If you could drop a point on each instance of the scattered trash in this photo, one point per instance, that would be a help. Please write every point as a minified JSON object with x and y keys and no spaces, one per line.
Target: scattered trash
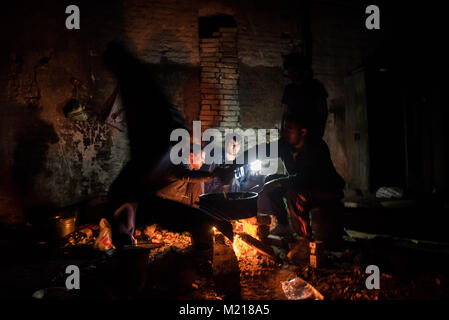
{"x":87,"y":231}
{"x":54,"y":293}
{"x":74,"y":109}
{"x":77,"y":238}
{"x":149,"y":231}
{"x":116,"y":116}
{"x":298,"y":289}
{"x":398,"y":203}
{"x":352,"y":204}
{"x":104,"y":240}
{"x":389,"y":192}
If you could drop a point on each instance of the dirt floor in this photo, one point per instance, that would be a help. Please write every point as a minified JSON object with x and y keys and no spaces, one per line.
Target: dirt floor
{"x":170,"y":269}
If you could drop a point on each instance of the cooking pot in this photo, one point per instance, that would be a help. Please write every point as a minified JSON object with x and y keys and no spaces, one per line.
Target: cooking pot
{"x":230,"y":205}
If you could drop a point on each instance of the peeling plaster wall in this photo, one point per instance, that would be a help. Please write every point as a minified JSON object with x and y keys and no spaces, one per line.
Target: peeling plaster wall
{"x":48,"y":160}
{"x":52,"y":160}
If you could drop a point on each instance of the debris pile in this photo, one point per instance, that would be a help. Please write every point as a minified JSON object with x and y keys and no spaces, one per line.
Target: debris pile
{"x":161,"y":240}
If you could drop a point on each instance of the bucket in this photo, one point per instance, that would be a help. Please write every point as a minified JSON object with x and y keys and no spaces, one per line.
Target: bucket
{"x":63,"y":226}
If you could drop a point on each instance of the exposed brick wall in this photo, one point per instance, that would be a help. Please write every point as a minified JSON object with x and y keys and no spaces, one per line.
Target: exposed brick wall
{"x":219,"y":80}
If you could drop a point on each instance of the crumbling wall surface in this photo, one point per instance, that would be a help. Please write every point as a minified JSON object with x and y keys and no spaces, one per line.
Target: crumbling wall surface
{"x":339,"y":45}
{"x":47,"y":159}
{"x":261,"y":93}
{"x":162,"y":30}
{"x":50,"y":160}
{"x":267,"y":31}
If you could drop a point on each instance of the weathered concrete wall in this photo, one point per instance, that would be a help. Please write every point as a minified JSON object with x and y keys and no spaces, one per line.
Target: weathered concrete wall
{"x":339,"y":45}
{"x":48,"y":160}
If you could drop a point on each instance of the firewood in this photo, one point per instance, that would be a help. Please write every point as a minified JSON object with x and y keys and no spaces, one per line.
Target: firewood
{"x":256,"y":244}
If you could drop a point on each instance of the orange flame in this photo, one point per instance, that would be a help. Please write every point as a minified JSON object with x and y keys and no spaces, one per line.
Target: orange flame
{"x":234,"y":245}
{"x":240,"y":247}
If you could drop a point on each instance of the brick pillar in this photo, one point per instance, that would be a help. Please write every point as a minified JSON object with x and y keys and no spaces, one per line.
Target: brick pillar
{"x":219,"y":80}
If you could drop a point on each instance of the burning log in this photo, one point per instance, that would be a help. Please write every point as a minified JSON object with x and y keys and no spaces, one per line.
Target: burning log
{"x":252,"y":255}
{"x":257,"y":244}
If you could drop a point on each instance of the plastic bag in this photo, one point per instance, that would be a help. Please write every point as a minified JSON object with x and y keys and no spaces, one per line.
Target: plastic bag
{"x":389,"y":192}
{"x":299,"y":289}
{"x":104,"y":239}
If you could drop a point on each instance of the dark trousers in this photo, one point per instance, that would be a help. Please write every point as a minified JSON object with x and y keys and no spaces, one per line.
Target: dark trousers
{"x":272,"y":203}
{"x":311,"y":213}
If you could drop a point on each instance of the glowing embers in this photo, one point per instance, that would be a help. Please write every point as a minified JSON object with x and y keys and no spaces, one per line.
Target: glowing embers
{"x":244,"y":229}
{"x":252,"y":254}
{"x":238,"y":246}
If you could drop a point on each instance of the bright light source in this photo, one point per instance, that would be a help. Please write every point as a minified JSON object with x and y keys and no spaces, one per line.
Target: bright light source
{"x":256,"y":165}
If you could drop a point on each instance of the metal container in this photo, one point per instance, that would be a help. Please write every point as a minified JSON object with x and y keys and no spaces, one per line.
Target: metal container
{"x":63,"y":226}
{"x":230,"y":205}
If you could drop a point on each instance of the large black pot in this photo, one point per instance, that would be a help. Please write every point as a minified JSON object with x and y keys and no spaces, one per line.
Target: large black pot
{"x":230,"y":205}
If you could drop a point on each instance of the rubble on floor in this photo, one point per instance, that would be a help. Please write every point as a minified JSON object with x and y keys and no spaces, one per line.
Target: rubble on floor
{"x":239,"y":270}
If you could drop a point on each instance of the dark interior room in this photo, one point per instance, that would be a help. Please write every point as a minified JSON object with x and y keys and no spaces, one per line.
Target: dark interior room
{"x":223,"y":150}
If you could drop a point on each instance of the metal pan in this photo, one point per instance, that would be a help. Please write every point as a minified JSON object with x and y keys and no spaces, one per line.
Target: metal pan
{"x":230,"y":205}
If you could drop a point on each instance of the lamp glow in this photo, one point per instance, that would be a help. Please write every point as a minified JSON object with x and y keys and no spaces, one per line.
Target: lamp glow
{"x":256,"y":165}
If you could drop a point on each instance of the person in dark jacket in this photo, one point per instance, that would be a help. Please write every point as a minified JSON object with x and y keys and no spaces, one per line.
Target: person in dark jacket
{"x":312,"y":182}
{"x":304,"y":95}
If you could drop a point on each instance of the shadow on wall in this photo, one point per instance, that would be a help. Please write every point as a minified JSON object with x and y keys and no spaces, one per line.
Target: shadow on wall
{"x":260,"y":96}
{"x":180,"y":84}
{"x":173,"y":64}
{"x":25,"y":143}
{"x":150,"y":120}
{"x":33,"y":138}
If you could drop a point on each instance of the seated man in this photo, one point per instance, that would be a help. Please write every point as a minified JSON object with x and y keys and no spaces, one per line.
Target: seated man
{"x":312,"y":182}
{"x":170,"y":201}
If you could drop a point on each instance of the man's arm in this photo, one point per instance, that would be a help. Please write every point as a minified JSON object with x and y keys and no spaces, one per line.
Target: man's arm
{"x":188,"y":175}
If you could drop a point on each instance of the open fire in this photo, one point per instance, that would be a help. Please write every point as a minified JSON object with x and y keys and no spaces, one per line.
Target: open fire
{"x":248,"y":244}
